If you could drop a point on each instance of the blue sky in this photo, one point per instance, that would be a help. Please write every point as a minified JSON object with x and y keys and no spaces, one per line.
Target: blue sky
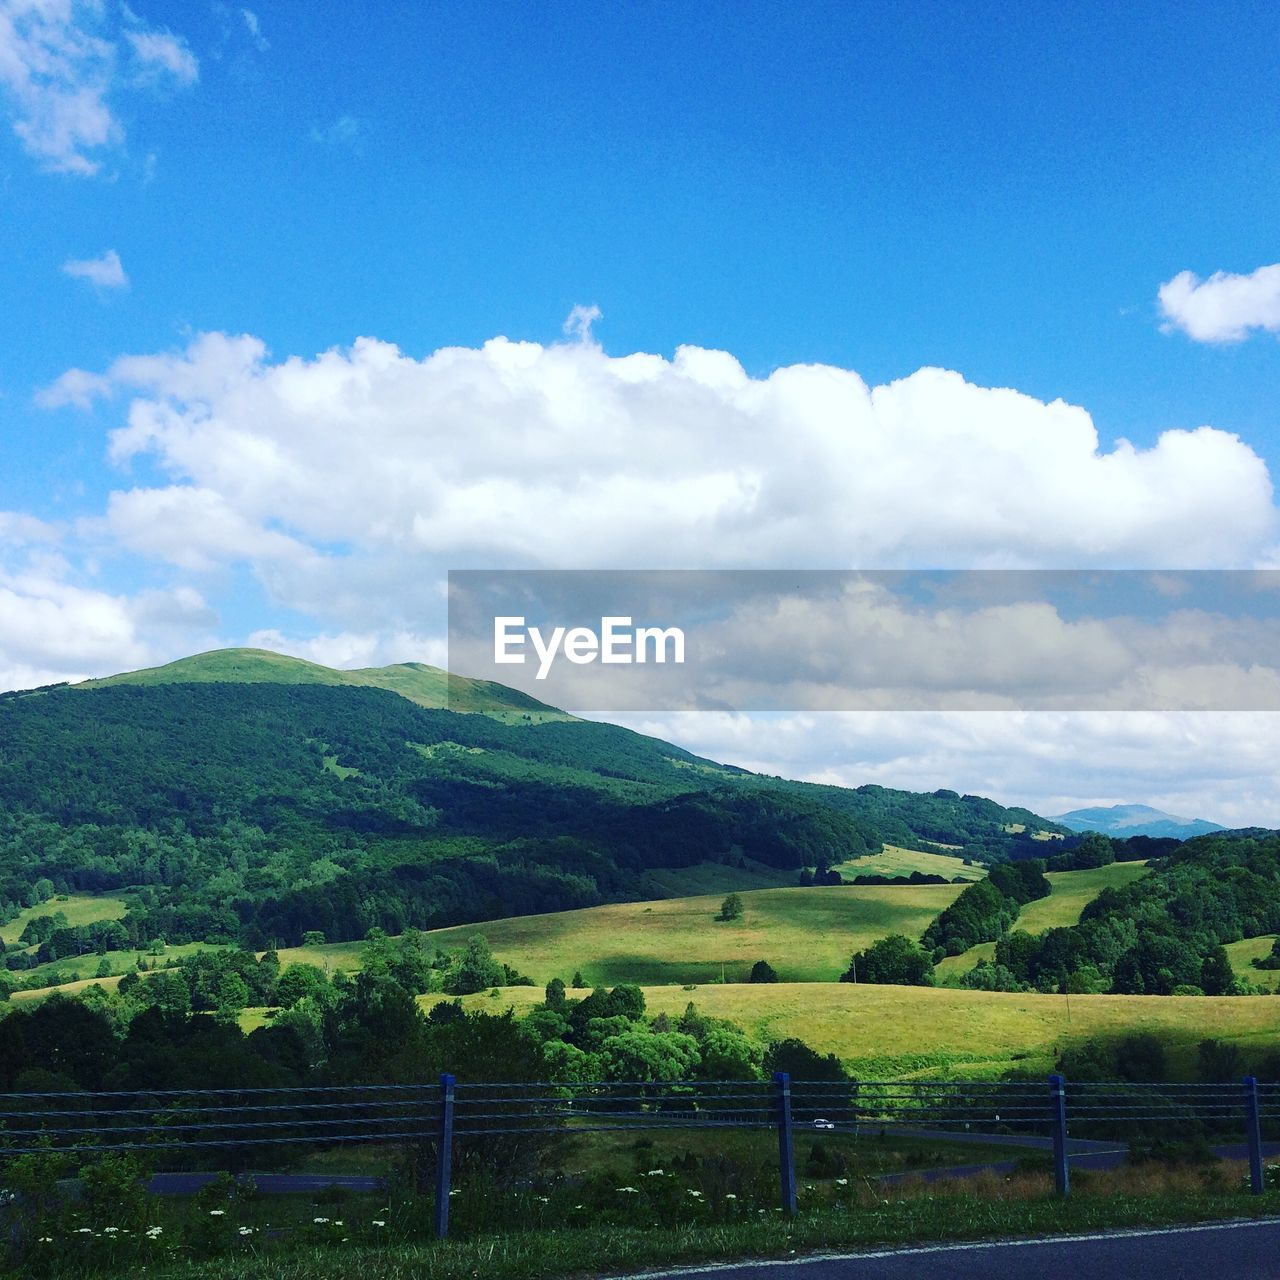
{"x":876,"y":188}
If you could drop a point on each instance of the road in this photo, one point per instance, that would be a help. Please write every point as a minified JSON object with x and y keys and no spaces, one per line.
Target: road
{"x":179,"y":1184}
{"x":1226,"y":1251}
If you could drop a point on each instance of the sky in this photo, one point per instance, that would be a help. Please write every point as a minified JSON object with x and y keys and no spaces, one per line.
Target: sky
{"x":304,"y":307}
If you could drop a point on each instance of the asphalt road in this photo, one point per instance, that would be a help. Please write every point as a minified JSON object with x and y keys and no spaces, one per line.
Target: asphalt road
{"x":1225,"y":1251}
{"x":180,"y":1184}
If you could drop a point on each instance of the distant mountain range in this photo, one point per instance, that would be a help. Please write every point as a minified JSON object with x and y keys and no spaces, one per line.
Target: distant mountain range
{"x":1135,"y":820}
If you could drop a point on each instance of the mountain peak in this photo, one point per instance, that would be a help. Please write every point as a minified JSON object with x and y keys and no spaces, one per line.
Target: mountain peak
{"x":1135,"y":820}
{"x":417,"y":681}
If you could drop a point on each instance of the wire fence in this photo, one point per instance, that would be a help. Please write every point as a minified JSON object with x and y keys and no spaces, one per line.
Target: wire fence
{"x":236,"y":1125}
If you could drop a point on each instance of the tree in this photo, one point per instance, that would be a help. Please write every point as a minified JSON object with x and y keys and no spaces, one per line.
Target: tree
{"x":895,"y":960}
{"x":731,"y":907}
{"x":649,"y":1055}
{"x":578,"y":984}
{"x":555,"y":995}
{"x":474,"y":970}
{"x":313,"y":938}
{"x":763,"y":971}
{"x":1216,"y":974}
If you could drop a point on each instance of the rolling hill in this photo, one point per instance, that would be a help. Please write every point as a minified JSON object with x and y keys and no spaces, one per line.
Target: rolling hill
{"x":245,"y":796}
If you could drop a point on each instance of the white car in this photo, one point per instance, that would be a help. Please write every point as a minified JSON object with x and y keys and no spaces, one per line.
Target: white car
{"x":824,"y":1124}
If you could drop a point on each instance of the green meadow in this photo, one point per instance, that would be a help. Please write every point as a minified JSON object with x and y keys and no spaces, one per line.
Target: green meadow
{"x":900,"y":1032}
{"x":894,"y":861}
{"x":807,"y":934}
{"x":79,"y":908}
{"x":1072,"y":892}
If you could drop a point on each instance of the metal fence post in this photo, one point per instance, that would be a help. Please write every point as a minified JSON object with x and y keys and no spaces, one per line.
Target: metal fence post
{"x":1253,"y":1132}
{"x":1058,"y":1101}
{"x":444,"y":1156}
{"x":786,"y":1147}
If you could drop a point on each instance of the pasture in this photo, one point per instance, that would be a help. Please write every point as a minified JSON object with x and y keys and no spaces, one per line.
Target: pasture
{"x":895,"y":861}
{"x":79,"y":908}
{"x":807,"y":934}
{"x":1072,"y":892}
{"x":904,"y":1032}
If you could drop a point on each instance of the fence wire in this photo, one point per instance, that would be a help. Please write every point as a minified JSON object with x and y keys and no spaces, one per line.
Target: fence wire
{"x":168,"y":1122}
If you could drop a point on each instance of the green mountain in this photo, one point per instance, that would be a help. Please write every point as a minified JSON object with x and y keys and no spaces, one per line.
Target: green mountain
{"x":427,"y":686}
{"x":241,"y":795}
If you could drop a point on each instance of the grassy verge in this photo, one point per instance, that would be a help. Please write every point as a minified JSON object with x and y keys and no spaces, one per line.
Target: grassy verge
{"x":559,"y":1255}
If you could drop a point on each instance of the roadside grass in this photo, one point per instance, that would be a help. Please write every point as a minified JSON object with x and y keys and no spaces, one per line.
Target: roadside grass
{"x":1072,"y":892}
{"x":79,"y":908}
{"x":895,"y":861}
{"x":868,"y":1154}
{"x":895,"y":1032}
{"x":861,"y":1218}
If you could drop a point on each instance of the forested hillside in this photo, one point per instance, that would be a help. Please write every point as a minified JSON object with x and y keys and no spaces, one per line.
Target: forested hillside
{"x":255,"y":810}
{"x":1164,"y":933}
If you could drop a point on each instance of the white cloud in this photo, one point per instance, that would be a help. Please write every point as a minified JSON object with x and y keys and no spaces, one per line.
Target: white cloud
{"x":578,"y":325}
{"x":1219,"y":766}
{"x":1225,"y":307}
{"x":254,"y":28}
{"x":348,"y":649}
{"x":103,"y":272}
{"x":344,"y":129}
{"x":61,"y":64}
{"x":562,"y":456}
{"x":162,"y":58}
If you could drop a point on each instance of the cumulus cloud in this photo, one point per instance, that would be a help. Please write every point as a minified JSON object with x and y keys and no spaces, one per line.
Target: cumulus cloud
{"x":1225,"y":307}
{"x":103,"y":272}
{"x":62,"y":62}
{"x":522,"y":455}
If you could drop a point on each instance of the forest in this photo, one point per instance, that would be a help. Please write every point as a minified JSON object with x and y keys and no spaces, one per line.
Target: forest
{"x":252,"y":814}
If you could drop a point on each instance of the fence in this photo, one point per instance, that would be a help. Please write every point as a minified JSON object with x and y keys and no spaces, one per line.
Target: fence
{"x":173,"y":1124}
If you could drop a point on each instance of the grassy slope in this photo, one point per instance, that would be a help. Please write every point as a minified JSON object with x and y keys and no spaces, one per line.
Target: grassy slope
{"x":1241,"y":953}
{"x":79,"y":908}
{"x":427,"y":686}
{"x":806,"y":934}
{"x":893,"y":861}
{"x":900,"y":1031}
{"x":1072,"y":892}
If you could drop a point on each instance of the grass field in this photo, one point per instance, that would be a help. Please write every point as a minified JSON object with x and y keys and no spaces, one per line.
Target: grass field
{"x":899,"y":1032}
{"x":893,"y":861}
{"x":1072,"y":892}
{"x":807,"y":934}
{"x":79,"y":908}
{"x":1243,"y":952}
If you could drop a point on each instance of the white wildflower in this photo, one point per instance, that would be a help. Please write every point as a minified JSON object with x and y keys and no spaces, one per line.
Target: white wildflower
{"x":246,"y":1231}
{"x":379,"y":1222}
{"x":319,"y":1221}
{"x":154,"y":1232}
{"x":216,"y":1213}
{"x":629,"y":1190}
